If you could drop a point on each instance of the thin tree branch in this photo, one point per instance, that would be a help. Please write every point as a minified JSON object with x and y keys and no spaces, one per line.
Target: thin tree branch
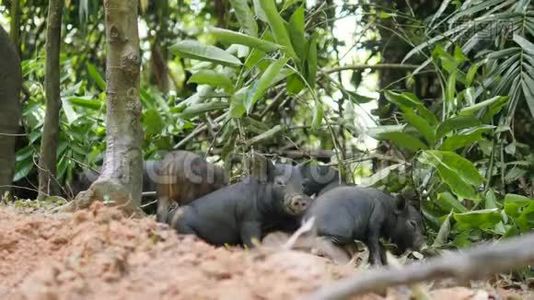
{"x":372,"y":67}
{"x":474,"y":263}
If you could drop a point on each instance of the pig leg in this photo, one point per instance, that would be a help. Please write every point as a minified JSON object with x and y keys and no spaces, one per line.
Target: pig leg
{"x":163,"y":209}
{"x":375,"y":249}
{"x":250,"y":231}
{"x":383,"y":257}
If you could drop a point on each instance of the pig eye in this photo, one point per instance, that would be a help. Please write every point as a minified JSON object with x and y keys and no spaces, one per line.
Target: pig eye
{"x":279,"y":181}
{"x":412,"y":223}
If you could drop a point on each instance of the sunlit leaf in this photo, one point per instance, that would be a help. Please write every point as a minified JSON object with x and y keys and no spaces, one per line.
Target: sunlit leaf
{"x":463,"y":139}
{"x":403,"y":140}
{"x":296,"y":32}
{"x":265,"y":81}
{"x":421,"y":125}
{"x":318,"y":115}
{"x":245,"y":16}
{"x":95,"y":75}
{"x":233,"y":37}
{"x":448,"y":202}
{"x":443,"y":233}
{"x":409,"y":101}
{"x":455,"y":123}
{"x":86,"y":102}
{"x":212,"y":78}
{"x":479,"y":219}
{"x":152,"y":122}
{"x":278,"y":28}
{"x":196,"y":50}
{"x":201,"y":108}
{"x":458,"y":173}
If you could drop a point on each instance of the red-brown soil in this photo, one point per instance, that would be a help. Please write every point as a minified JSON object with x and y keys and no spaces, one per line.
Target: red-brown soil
{"x":100,"y":254}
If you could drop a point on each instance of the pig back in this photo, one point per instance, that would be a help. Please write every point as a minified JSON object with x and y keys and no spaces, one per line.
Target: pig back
{"x":186,"y":176}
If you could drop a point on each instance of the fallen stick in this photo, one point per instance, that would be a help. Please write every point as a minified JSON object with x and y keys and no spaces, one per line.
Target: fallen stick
{"x":474,"y":263}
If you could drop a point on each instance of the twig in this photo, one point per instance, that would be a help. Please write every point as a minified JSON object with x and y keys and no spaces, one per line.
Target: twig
{"x":148,"y":204}
{"x":474,"y":263}
{"x":372,"y":67}
{"x":197,"y":131}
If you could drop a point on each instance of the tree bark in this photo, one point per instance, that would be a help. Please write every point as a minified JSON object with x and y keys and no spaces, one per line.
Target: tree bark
{"x":15,"y":24}
{"x":10,"y":86}
{"x":47,"y":163}
{"x":120,"y":180}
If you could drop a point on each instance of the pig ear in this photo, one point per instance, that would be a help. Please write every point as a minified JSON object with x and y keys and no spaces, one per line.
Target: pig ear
{"x":270,"y":170}
{"x":400,"y":203}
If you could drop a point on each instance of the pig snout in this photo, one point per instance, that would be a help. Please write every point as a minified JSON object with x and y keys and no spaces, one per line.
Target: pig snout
{"x":297,"y":204}
{"x":419,"y":242}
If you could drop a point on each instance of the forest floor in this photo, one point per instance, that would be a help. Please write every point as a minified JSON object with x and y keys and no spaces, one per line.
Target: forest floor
{"x":100,"y":254}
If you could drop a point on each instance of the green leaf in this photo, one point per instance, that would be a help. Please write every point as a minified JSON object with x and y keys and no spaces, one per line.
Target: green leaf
{"x":95,"y":75}
{"x":196,"y":50}
{"x":455,"y":123}
{"x":409,"y":101}
{"x":69,"y":111}
{"x":237,"y":103}
{"x":443,"y":233}
{"x":152,"y":122}
{"x":296,"y":32}
{"x":312,"y":62}
{"x":451,"y":87}
{"x":513,"y":204}
{"x":471,"y":73}
{"x":458,"y":140}
{"x":525,"y":44}
{"x":484,"y":219}
{"x":490,"y":200}
{"x":257,"y":58}
{"x":258,"y":11}
{"x":421,"y":125}
{"x":212,"y":78}
{"x":403,"y":140}
{"x":355,"y":97}
{"x":265,"y":81}
{"x":278,"y":28}
{"x":245,"y":17}
{"x":521,"y":209}
{"x":448,"y":202}
{"x":458,"y":173}
{"x":86,"y":102}
{"x":24,"y":153}
{"x":201,"y":108}
{"x":294,"y":84}
{"x":491,"y":106}
{"x":527,"y":84}
{"x":318,"y":114}
{"x":23,"y":169}
{"x":266,"y":135}
{"x":233,"y":37}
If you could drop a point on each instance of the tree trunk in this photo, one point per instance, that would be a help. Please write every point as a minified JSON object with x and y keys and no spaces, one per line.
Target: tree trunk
{"x":121,"y":178}
{"x":10,"y":86}
{"x":159,"y":70}
{"x":15,"y":24}
{"x":47,"y":162}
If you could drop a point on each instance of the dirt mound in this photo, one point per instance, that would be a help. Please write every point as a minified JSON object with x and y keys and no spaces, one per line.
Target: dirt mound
{"x":100,"y":254}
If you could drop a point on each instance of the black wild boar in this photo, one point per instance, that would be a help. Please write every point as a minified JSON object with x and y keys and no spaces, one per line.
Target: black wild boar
{"x":242,"y":212}
{"x":347,"y":213}
{"x":318,"y":178}
{"x":183,"y":177}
